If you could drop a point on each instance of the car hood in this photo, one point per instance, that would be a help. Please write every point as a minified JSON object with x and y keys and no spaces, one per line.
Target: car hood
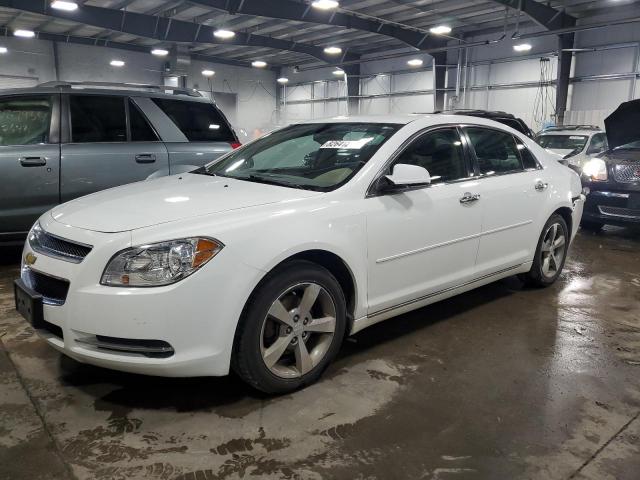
{"x":560,"y":151}
{"x":622,"y":124}
{"x":168,"y":199}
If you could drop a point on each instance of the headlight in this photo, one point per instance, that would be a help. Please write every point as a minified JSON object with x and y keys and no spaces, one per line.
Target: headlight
{"x":159,"y":264}
{"x":595,"y":170}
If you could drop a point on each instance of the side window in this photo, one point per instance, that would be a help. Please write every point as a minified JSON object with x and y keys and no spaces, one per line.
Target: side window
{"x":528,"y":160}
{"x":598,"y":143}
{"x":199,"y":121}
{"x":496,"y":151}
{"x":141,"y":131}
{"x":25,"y":120}
{"x":98,"y":118}
{"x":440,"y":152}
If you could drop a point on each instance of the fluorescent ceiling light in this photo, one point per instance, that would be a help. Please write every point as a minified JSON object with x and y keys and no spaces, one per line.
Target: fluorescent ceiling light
{"x":338,"y":71}
{"x":24,"y":33}
{"x":333,"y":50}
{"x":440,"y":30}
{"x":415,"y":62}
{"x":3,"y":50}
{"x":258,"y":64}
{"x":325,"y":4}
{"x":208,"y":73}
{"x":283,"y":80}
{"x":159,"y":52}
{"x":64,"y":5}
{"x":522,"y":47}
{"x":214,"y":126}
{"x":224,"y":34}
{"x":116,"y":63}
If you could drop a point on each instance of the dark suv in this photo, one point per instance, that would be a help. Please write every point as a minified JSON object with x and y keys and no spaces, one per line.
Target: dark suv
{"x":59,"y":141}
{"x":612,"y":178}
{"x":503,"y":117}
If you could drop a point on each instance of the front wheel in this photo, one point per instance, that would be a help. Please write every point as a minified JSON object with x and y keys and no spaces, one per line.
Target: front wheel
{"x":551,"y":253}
{"x":292,"y":328}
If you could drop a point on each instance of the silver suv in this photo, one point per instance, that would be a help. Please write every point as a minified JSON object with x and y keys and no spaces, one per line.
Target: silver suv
{"x":59,"y":141}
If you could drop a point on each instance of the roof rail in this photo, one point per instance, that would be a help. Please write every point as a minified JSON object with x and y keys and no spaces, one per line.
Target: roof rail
{"x":125,"y":86}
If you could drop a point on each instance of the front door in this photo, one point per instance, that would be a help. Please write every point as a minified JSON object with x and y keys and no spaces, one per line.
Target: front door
{"x":29,"y":161}
{"x":110,"y":144}
{"x":424,"y":241}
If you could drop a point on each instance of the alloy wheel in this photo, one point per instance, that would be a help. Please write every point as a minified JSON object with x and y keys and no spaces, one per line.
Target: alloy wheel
{"x":553,"y":250}
{"x":298,"y":330}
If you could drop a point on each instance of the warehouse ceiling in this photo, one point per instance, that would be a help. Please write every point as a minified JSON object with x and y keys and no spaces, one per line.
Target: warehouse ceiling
{"x":284,"y":32}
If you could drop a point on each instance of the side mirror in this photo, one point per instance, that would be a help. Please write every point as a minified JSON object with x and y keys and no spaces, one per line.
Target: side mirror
{"x":409,"y":175}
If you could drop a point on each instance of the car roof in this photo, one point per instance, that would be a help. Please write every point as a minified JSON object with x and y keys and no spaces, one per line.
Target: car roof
{"x":427,"y":119}
{"x":585,"y":133}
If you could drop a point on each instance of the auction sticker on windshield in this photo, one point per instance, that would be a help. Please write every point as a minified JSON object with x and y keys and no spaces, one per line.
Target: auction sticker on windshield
{"x":347,"y":144}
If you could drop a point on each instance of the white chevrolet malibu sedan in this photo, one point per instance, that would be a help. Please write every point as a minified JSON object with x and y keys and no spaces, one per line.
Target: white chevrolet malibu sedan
{"x":263,"y":260}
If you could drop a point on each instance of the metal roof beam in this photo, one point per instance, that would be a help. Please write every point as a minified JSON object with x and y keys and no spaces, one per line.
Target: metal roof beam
{"x":301,"y":12}
{"x":544,"y":15}
{"x":163,"y":29}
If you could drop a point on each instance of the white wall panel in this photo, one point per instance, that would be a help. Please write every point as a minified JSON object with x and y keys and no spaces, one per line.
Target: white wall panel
{"x":375,"y":85}
{"x":412,"y":104}
{"x":405,"y":82}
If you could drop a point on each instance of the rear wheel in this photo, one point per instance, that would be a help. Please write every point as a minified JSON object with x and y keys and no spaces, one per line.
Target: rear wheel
{"x":551,"y":253}
{"x":591,"y":226}
{"x":292,"y":328}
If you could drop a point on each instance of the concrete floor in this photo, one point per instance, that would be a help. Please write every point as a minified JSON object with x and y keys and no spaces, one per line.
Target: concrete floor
{"x":499,"y":383}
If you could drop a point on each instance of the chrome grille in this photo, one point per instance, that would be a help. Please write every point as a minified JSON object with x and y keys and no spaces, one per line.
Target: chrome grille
{"x":627,"y":172}
{"x":54,"y":246}
{"x":620,"y":212}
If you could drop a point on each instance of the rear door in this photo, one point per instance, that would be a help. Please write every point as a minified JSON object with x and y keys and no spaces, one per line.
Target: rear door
{"x":109,"y":142}
{"x":511,"y":186}
{"x":206,"y":130}
{"x":29,"y":160}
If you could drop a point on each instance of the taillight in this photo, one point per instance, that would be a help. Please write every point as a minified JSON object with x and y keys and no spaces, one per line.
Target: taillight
{"x":235,"y":145}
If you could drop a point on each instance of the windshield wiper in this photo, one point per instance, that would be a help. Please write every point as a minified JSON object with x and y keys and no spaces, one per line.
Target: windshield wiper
{"x":271,"y":181}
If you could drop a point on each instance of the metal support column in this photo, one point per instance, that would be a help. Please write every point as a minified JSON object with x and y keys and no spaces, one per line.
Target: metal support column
{"x":564,"y":71}
{"x":439,"y":77}
{"x":353,"y":88}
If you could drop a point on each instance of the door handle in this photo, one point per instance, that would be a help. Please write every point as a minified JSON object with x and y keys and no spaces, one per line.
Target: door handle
{"x":541,"y":186}
{"x":145,"y":158}
{"x":33,"y":161}
{"x":469,"y":198}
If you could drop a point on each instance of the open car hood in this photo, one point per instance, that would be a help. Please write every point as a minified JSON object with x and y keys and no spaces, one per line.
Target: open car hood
{"x":622,"y":124}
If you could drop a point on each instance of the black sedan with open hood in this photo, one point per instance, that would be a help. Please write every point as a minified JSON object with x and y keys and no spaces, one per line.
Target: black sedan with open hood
{"x":612,"y":179}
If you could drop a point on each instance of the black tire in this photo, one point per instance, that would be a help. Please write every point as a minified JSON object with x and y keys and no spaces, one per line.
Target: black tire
{"x":247,"y":358}
{"x":536,"y":277}
{"x":591,"y":226}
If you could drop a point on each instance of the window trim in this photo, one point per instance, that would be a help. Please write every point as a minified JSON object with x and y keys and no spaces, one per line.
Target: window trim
{"x":54,"y":120}
{"x":471,"y":174}
{"x":480,"y":175}
{"x":129,"y":101}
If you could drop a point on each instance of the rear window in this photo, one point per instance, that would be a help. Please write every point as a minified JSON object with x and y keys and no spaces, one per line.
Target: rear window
{"x":98,"y":118}
{"x":200,"y":122}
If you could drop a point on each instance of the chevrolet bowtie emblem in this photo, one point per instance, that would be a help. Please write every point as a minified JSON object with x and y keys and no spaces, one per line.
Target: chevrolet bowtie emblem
{"x":30,"y":258}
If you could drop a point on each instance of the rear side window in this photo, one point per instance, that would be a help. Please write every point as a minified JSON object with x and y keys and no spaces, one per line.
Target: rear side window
{"x":528,"y":160}
{"x":141,"y":131}
{"x":496,"y":151}
{"x":199,"y":121}
{"x":598,"y":143}
{"x":25,"y":120}
{"x":440,"y":152}
{"x":98,"y":118}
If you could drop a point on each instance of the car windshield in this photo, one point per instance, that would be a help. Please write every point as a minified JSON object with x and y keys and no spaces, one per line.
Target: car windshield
{"x":629,"y":146}
{"x":562,"y":142}
{"x":318,"y":156}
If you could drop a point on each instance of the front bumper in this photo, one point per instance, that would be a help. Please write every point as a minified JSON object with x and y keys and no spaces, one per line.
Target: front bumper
{"x":612,"y":203}
{"x":195,"y":317}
